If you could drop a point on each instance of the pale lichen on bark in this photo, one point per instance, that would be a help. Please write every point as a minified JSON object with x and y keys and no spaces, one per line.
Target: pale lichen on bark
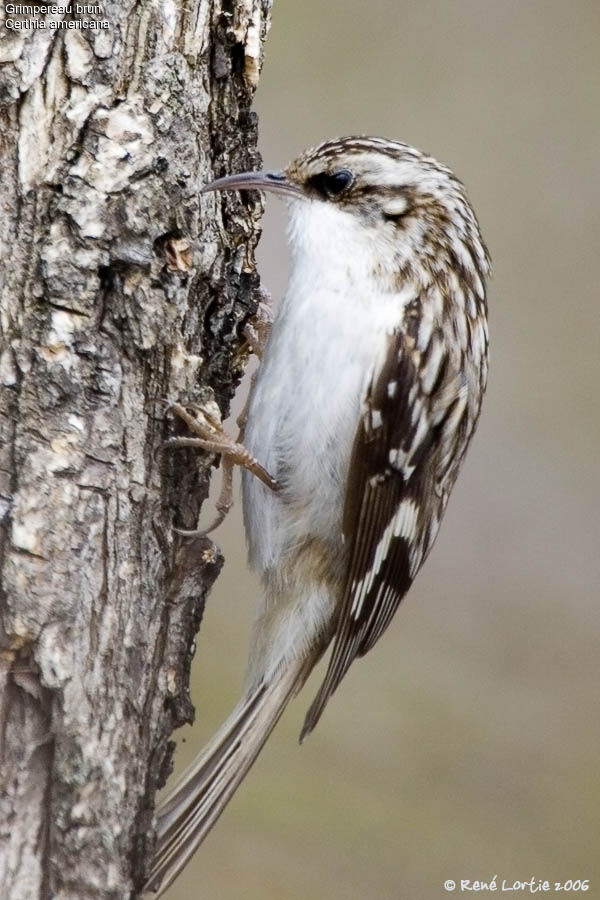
{"x":120,"y":287}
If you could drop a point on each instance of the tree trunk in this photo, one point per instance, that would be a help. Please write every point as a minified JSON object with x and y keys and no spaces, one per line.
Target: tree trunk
{"x":120,"y":288}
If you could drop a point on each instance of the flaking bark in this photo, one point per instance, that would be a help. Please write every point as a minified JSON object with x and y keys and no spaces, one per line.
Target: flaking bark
{"x":120,"y":288}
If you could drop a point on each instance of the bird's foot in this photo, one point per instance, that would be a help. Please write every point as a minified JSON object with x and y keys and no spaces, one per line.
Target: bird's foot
{"x":212,"y":438}
{"x":258,"y":327}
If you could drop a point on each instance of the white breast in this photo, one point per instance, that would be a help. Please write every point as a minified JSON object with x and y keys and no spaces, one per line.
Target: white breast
{"x":305,"y":406}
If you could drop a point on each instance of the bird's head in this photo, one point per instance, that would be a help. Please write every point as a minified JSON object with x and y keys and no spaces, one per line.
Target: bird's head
{"x":380,"y":206}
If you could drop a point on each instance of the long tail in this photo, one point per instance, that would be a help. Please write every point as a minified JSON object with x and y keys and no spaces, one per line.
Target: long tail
{"x":197,"y":800}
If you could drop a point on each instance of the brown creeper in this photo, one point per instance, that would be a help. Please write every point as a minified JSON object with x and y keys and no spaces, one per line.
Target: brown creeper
{"x":365,"y":402}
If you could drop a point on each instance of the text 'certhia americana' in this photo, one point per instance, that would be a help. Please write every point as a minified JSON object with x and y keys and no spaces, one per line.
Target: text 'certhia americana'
{"x":366,"y":398}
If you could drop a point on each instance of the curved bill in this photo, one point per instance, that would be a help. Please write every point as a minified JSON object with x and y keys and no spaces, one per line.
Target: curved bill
{"x":274,"y":182}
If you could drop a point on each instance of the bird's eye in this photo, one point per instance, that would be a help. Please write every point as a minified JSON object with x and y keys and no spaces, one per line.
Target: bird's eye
{"x":331,"y":184}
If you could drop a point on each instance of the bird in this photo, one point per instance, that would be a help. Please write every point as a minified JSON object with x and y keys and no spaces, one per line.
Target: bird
{"x":367,"y":396}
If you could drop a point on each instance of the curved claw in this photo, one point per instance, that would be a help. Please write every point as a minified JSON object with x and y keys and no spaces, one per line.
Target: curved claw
{"x":187,"y":532}
{"x":201,"y":532}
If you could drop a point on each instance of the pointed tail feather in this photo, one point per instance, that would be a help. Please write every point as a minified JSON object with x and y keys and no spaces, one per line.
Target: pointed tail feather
{"x":193,"y":806}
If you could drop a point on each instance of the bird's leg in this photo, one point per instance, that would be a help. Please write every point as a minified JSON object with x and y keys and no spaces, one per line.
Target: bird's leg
{"x":258,"y":328}
{"x":210,"y":435}
{"x":256,"y":332}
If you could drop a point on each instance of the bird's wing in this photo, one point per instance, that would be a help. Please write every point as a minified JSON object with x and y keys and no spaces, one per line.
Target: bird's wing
{"x":395,"y":493}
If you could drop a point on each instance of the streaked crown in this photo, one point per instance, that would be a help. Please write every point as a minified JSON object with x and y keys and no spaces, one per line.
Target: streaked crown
{"x":401,"y":193}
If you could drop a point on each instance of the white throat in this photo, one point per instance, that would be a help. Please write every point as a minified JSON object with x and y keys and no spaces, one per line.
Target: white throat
{"x":328,"y":244}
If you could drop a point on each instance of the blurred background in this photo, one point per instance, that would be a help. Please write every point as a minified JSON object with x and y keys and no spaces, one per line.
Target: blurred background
{"x":466,"y":744}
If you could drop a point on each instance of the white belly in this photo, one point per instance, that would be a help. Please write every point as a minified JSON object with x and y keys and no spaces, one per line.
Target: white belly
{"x":304,"y":412}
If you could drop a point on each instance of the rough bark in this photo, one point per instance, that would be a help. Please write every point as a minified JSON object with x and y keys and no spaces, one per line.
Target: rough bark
{"x":120,"y":287}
